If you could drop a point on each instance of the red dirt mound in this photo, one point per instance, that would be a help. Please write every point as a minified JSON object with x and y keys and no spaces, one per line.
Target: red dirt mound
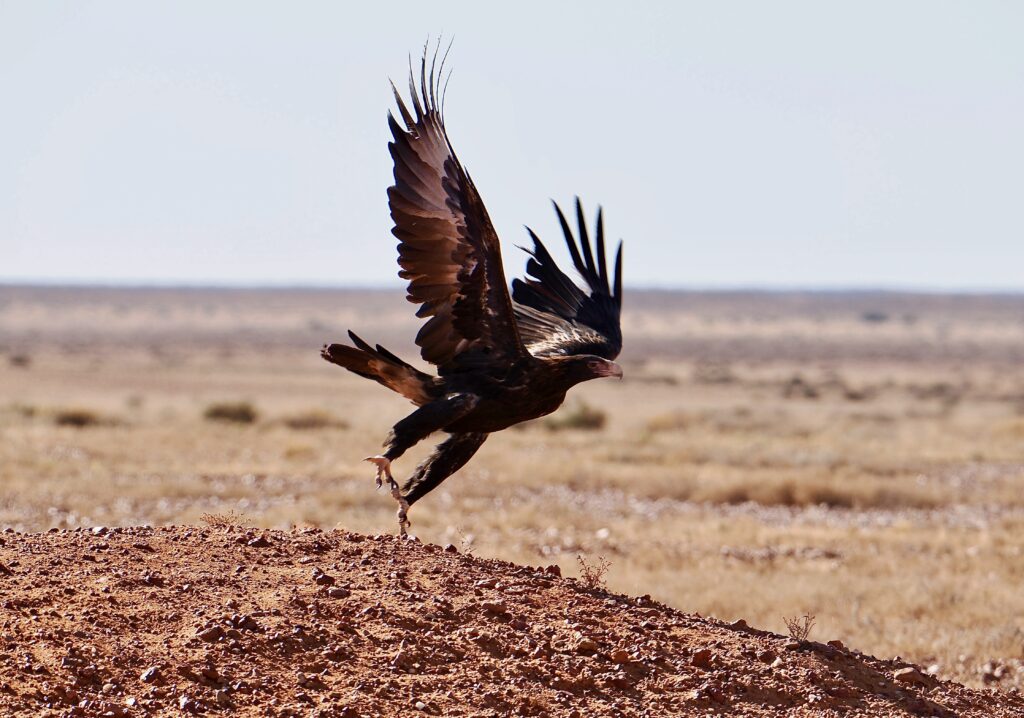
{"x":233,"y":621}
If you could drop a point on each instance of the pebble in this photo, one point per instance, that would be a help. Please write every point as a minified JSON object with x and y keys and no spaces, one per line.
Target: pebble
{"x":497,"y":608}
{"x":321,"y":578}
{"x":150,"y":675}
{"x":338,"y":592}
{"x":702,"y":658}
{"x":211,"y":634}
{"x":911,"y":676}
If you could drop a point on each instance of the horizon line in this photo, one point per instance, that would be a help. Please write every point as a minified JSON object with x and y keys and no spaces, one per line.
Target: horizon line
{"x":298,"y":285}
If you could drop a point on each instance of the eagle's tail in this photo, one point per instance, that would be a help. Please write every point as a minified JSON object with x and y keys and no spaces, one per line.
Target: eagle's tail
{"x":383,"y":367}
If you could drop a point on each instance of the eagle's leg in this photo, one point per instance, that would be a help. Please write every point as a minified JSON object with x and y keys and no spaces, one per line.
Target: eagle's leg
{"x":449,"y":456}
{"x":411,"y":430}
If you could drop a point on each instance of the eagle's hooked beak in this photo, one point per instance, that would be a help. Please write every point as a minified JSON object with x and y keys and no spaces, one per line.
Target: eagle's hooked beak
{"x":612,"y":369}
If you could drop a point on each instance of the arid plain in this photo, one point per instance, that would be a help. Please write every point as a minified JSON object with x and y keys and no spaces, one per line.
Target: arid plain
{"x":856,"y":457}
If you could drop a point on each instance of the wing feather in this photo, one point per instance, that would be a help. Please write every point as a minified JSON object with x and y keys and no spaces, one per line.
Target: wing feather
{"x":448,"y":249}
{"x":558,"y":318}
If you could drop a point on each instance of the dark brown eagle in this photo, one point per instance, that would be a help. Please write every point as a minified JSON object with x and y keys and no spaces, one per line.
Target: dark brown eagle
{"x":500,"y":359}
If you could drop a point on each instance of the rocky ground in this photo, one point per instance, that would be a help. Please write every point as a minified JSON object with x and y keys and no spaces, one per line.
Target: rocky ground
{"x":235,"y":621}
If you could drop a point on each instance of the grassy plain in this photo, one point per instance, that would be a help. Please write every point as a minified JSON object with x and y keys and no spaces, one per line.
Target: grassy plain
{"x":855,"y":457}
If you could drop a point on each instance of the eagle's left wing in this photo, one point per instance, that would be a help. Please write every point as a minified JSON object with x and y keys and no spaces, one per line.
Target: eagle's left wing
{"x":448,"y":249}
{"x":555,"y":316}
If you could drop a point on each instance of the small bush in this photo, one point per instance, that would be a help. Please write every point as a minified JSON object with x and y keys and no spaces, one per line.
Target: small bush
{"x":874,"y":317}
{"x":672,"y":421}
{"x":25,"y":411}
{"x":313,"y":419}
{"x":238,"y":412}
{"x":799,"y":628}
{"x":713,"y":373}
{"x":799,"y":388}
{"x":583,"y":417}
{"x":78,"y":418}
{"x":20,"y":361}
{"x":592,"y":574}
{"x":224,"y":521}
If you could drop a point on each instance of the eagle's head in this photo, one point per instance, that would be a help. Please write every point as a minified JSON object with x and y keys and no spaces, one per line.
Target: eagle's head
{"x":585,"y":367}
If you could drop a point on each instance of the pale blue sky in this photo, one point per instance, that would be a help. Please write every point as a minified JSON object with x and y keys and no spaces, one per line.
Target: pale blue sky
{"x":770,"y":144}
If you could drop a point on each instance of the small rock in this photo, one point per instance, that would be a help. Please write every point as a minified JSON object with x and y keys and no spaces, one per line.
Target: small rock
{"x":553,"y":570}
{"x":322,"y":579}
{"x":420,"y":706}
{"x":258,"y":542}
{"x":910,"y":676}
{"x":150,"y":675}
{"x":338,"y":592}
{"x":586,"y":645}
{"x":222,"y":698}
{"x":210,"y":673}
{"x":792,"y":645}
{"x":497,"y":608}
{"x":619,"y":656}
{"x":211,"y":634}
{"x":837,"y":644}
{"x":451,"y":548}
{"x":702,"y":658}
{"x":99,"y":530}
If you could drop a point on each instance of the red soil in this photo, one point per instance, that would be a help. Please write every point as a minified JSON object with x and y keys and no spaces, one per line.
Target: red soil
{"x":234,"y":621}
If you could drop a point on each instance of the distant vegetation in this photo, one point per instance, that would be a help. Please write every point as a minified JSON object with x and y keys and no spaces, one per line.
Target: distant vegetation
{"x":313,"y":419}
{"x":582,"y":417}
{"x":76,"y":417}
{"x":238,"y":412}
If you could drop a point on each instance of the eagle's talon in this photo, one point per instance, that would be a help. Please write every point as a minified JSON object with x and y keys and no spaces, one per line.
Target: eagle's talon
{"x":383,"y":465}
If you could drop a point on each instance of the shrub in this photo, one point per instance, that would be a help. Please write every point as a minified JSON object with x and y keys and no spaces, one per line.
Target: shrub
{"x":238,"y":412}
{"x":673,"y":421}
{"x":583,"y":417}
{"x":313,"y":419}
{"x":799,"y":628}
{"x":78,"y":418}
{"x":592,"y":574}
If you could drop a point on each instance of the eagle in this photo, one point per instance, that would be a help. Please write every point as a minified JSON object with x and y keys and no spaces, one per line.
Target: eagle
{"x":501,"y":358}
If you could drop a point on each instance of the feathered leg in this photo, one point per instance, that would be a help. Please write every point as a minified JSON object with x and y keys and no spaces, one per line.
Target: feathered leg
{"x":411,"y":430}
{"x":449,"y":456}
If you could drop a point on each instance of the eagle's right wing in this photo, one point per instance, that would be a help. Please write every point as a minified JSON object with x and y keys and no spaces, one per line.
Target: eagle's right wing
{"x":555,"y":316}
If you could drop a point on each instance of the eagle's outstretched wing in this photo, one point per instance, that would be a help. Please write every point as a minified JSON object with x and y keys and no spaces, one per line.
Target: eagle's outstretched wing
{"x":555,"y":316}
{"x":448,"y":248}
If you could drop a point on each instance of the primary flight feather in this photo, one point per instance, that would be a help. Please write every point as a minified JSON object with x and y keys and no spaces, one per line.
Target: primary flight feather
{"x":501,"y":359}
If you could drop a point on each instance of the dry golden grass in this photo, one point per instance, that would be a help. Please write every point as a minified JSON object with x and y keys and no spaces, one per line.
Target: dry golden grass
{"x":763,"y":457}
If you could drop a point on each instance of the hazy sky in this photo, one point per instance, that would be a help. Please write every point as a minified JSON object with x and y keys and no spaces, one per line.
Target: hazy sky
{"x":772,"y":144}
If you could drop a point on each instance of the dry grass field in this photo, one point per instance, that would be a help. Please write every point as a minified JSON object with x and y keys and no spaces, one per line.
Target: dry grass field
{"x":855,"y":457}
